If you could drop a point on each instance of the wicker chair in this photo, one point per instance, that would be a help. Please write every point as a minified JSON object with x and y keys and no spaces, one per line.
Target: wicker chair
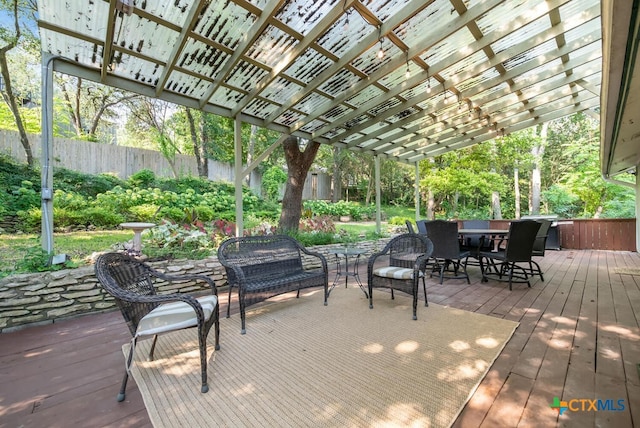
{"x":446,"y":250}
{"x":399,"y":266}
{"x":515,"y":260}
{"x":262,"y":267}
{"x":131,"y":283}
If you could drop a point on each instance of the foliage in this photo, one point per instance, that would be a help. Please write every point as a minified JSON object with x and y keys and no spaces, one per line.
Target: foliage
{"x":38,"y":260}
{"x":30,"y":119}
{"x":272,"y":180}
{"x":463,"y":181}
{"x":88,"y":185}
{"x":317,"y":224}
{"x":400,"y":221}
{"x":142,"y":178}
{"x":561,"y":202}
{"x":340,"y":208}
{"x":104,"y":201}
{"x":309,"y":239}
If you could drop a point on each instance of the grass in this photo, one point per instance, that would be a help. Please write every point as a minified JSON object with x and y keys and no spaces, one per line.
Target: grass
{"x":77,"y":245}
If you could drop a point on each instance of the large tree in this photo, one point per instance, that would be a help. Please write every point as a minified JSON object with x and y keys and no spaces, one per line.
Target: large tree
{"x":199,"y":139}
{"x":151,"y":119}
{"x":298,"y":163}
{"x":10,"y":39}
{"x":88,"y":104}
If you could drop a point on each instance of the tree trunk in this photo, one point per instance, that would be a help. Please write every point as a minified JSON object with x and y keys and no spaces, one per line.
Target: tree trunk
{"x":195,"y":141}
{"x":336,"y":177}
{"x":516,"y":190}
{"x":430,"y":214}
{"x":204,"y":146}
{"x":454,"y":205}
{"x":74,"y":114}
{"x":251,"y":150}
{"x":298,"y":164}
{"x":370,"y":186}
{"x":7,"y":95}
{"x":536,"y":182}
{"x":496,"y":211}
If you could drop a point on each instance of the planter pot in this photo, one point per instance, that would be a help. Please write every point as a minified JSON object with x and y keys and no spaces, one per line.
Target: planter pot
{"x":345,"y":218}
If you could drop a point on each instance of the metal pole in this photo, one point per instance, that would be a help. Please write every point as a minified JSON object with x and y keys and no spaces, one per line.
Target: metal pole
{"x":416,"y":190}
{"x":47,"y":153}
{"x":637,"y":210}
{"x":238,"y":174}
{"x":377,"y":173}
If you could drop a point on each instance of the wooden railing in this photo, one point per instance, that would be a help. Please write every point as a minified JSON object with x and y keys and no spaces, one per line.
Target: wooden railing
{"x":592,"y":234}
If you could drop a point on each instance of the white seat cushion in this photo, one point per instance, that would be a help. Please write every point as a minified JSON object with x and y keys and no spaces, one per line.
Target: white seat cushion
{"x":174,"y":316}
{"x":394,"y":272}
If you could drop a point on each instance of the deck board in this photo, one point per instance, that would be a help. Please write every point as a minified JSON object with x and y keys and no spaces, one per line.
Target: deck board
{"x":578,"y":337}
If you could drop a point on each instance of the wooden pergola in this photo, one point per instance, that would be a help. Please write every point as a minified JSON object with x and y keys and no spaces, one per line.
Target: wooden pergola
{"x":399,"y":79}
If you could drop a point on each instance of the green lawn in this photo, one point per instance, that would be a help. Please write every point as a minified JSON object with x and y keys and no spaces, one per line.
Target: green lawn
{"x":14,"y":249}
{"x":17,"y":250}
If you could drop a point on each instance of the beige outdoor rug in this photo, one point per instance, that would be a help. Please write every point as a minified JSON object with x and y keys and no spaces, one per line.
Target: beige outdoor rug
{"x":627,"y":270}
{"x":303,"y":364}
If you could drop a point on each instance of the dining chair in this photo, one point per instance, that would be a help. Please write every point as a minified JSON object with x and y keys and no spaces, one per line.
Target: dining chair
{"x":474,"y":243}
{"x":514,"y":260}
{"x":450,"y":259}
{"x":421,"y":226}
{"x":133,"y":285}
{"x":399,"y":266}
{"x":539,"y":246}
{"x":410,"y":228}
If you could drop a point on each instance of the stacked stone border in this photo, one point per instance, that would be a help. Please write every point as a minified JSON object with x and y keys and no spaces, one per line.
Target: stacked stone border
{"x":47,"y":297}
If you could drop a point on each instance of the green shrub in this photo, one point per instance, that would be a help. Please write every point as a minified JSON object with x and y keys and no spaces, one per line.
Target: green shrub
{"x":69,"y":200}
{"x":88,"y":185}
{"x":341,"y":208}
{"x":64,"y":218}
{"x":100,"y":218}
{"x":143,"y":213}
{"x":204,"y":213}
{"x":272,"y":180}
{"x":37,"y":260}
{"x":171,"y":214}
{"x":25,"y":196}
{"x":142,"y":178}
{"x":308,"y":239}
{"x":29,"y":220}
{"x":400,"y":221}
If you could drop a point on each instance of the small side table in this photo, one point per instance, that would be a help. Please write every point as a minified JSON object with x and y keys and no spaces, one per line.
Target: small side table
{"x":137,"y":228}
{"x":347,"y":253}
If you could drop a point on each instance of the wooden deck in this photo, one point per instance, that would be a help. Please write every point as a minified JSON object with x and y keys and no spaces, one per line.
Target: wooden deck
{"x":578,"y":338}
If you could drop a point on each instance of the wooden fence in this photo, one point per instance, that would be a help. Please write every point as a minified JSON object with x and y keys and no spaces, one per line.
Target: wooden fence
{"x":122,"y":161}
{"x":592,"y":234}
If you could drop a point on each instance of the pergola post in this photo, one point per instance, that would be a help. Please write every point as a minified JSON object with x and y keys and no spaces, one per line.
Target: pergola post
{"x":377,"y":174}
{"x":416,"y":189}
{"x":47,"y":153}
{"x":238,"y":176}
{"x":637,"y":189}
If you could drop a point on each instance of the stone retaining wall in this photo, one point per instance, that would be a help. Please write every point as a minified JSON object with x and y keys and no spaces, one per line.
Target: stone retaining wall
{"x":42,"y":298}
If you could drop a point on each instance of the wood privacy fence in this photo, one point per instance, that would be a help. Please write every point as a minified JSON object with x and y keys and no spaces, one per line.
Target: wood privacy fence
{"x":96,"y":158}
{"x":592,"y":234}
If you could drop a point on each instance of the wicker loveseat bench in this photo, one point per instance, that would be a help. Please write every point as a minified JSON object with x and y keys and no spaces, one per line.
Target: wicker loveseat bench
{"x":265,"y":266}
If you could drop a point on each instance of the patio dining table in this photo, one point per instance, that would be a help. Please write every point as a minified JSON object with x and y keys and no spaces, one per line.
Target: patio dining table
{"x":497,"y":235}
{"x":498,"y":232}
